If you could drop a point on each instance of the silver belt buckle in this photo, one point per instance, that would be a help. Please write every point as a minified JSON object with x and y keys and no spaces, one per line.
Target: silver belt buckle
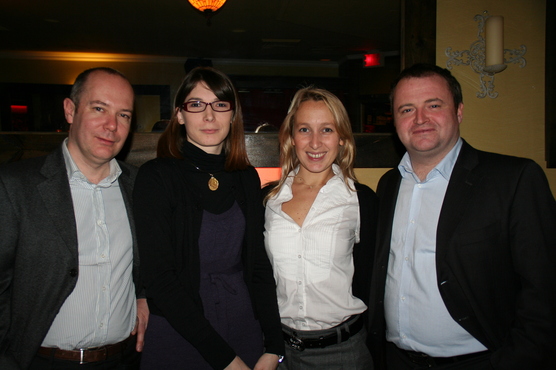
{"x":81,"y":355}
{"x":296,"y":343}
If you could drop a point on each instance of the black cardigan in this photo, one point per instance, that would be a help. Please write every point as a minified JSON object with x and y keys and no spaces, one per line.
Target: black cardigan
{"x":168,"y":216}
{"x":364,"y":251}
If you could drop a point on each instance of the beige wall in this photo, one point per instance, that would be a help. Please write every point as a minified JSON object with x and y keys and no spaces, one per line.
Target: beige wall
{"x":513,"y":123}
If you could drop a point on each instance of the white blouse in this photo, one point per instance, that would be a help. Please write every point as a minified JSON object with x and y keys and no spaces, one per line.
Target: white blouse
{"x":313,"y":263}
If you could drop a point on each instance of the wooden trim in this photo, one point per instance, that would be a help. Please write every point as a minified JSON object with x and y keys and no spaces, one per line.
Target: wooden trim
{"x":418,"y":32}
{"x":550,"y":85}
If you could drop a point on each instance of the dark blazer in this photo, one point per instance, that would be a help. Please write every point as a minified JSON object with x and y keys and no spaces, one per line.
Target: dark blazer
{"x":38,"y":251}
{"x":495,"y":256}
{"x":168,"y":213}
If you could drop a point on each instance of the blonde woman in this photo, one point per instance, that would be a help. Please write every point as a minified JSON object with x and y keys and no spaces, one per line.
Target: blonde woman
{"x":319,"y":235}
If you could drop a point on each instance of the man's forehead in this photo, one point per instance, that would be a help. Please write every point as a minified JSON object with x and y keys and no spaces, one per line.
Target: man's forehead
{"x":105,"y":88}
{"x":102,"y":78}
{"x":435,"y":85}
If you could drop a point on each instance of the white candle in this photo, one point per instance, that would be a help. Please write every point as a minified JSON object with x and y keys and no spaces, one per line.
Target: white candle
{"x":494,"y":40}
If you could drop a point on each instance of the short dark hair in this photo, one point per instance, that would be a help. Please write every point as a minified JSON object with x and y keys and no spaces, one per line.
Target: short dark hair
{"x":426,"y":70}
{"x":81,"y":80}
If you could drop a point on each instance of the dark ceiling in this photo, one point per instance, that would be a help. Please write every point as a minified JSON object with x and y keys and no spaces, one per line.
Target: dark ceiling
{"x":306,"y":30}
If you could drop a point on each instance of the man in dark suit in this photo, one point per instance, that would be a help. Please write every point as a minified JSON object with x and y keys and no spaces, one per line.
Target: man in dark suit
{"x":68,"y":257}
{"x":465,"y":266}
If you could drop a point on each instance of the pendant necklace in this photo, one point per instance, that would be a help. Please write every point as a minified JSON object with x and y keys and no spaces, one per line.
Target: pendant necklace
{"x":302,"y":181}
{"x":213,"y":181}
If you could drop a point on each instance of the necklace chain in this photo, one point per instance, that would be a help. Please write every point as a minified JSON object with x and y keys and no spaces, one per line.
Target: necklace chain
{"x":302,"y":181}
{"x":213,"y":181}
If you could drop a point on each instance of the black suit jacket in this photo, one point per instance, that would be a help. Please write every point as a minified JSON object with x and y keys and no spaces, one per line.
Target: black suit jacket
{"x":495,"y":256}
{"x":38,"y":251}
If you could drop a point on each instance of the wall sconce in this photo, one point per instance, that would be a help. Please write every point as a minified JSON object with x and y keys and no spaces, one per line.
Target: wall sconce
{"x":487,"y":55}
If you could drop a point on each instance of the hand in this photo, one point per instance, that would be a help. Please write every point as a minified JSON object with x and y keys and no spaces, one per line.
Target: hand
{"x":267,"y":361}
{"x":141,"y":323}
{"x":237,"y":364}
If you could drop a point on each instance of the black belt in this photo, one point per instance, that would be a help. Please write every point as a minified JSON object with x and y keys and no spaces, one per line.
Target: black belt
{"x":422,"y":359}
{"x":85,"y":355}
{"x":300,"y":343}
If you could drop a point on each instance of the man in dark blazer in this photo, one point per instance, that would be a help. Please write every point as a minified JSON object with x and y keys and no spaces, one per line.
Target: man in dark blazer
{"x":46,"y":276}
{"x":465,"y":265}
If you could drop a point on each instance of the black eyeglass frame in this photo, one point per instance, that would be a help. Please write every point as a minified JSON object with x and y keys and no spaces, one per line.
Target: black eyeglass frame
{"x":184,"y":106}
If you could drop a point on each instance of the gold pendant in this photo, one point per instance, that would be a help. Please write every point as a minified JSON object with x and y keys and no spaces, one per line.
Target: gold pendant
{"x":213,"y":183}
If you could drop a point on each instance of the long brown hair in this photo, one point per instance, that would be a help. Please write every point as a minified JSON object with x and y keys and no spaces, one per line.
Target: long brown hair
{"x":173,"y":138}
{"x":288,"y":157}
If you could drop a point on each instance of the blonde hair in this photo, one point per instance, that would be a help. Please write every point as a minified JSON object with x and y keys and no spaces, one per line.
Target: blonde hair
{"x":288,"y":157}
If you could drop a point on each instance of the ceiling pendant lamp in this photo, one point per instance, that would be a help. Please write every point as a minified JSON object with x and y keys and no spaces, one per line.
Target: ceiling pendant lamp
{"x":211,"y":5}
{"x":208,"y":7}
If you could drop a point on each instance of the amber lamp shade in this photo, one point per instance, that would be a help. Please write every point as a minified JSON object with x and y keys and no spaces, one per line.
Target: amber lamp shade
{"x":210,"y":5}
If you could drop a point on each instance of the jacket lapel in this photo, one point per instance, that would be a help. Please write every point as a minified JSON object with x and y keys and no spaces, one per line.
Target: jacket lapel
{"x":388,"y":196}
{"x":457,"y":198}
{"x":126,"y":186}
{"x":56,"y":194}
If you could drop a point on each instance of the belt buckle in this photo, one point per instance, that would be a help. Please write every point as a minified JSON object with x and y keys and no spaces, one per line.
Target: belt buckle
{"x":296,"y":343}
{"x":81,"y":355}
{"x":421,"y":359}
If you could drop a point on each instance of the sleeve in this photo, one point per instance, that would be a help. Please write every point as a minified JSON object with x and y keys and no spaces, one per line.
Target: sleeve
{"x":532,"y":239}
{"x":8,"y":243}
{"x":154,"y":200}
{"x":263,"y":283}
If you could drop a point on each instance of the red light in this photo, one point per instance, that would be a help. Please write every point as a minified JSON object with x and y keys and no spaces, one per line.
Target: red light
{"x":372,"y":60}
{"x":18,"y":109}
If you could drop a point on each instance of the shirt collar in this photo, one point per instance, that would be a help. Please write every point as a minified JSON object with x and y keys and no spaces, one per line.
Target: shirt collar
{"x":75,"y":173}
{"x":444,"y":167}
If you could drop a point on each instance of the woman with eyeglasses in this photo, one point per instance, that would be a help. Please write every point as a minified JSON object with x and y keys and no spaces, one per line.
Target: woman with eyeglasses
{"x":320,"y":228}
{"x":199,"y":221}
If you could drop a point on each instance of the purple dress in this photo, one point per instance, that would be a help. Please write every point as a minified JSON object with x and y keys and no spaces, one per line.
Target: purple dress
{"x":226,"y":302}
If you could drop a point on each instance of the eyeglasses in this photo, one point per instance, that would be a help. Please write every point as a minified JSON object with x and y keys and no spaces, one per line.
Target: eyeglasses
{"x":196,"y":106}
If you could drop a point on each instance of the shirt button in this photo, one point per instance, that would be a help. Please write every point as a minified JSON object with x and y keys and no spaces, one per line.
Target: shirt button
{"x":73,"y":272}
{"x":299,"y":283}
{"x":299,"y":256}
{"x":99,"y":222}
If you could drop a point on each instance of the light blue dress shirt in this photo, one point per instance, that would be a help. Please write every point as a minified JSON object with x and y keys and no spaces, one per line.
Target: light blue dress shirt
{"x":416,"y":316}
{"x":102,"y":308}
